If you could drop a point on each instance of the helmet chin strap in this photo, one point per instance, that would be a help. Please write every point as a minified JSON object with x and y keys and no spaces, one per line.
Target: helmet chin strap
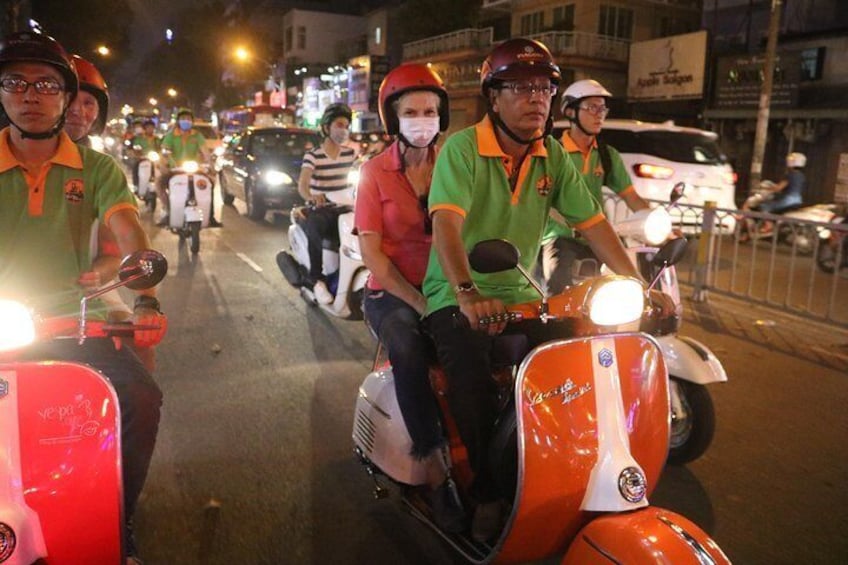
{"x":52,"y":132}
{"x":549,"y":124}
{"x":576,"y":121}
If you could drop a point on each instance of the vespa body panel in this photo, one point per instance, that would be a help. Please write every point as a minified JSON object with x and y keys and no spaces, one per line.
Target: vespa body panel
{"x":380,"y":432}
{"x":178,"y":188}
{"x":145,"y":176}
{"x":69,"y":466}
{"x":563,"y":440}
{"x":648,"y":536}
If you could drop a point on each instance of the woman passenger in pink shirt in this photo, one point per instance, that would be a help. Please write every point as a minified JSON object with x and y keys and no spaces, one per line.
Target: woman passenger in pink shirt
{"x":394,"y":230}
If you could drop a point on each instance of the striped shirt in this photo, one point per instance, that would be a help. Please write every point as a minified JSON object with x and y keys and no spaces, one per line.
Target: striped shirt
{"x":328,"y":174}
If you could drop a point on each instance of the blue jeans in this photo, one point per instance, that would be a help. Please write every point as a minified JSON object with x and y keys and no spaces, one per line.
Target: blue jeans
{"x":411,"y":353}
{"x":138,"y":396}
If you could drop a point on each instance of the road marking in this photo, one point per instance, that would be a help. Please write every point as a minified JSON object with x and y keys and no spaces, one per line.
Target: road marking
{"x":249,"y":262}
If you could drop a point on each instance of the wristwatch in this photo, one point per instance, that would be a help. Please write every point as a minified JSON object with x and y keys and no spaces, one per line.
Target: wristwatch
{"x":465,"y":287}
{"x":144,"y":301}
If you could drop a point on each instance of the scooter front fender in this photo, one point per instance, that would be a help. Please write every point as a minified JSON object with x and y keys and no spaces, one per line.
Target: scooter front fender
{"x":691,"y":360}
{"x":647,"y":536}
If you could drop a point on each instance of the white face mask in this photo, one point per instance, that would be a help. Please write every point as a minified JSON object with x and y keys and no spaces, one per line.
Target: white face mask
{"x":419,"y":131}
{"x":339,"y":135}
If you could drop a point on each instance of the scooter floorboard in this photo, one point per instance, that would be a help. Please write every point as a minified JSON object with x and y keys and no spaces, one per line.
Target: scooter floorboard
{"x":470,"y":549}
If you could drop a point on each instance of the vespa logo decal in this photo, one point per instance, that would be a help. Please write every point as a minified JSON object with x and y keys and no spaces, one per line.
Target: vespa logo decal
{"x":605,"y":357}
{"x":632,"y":485}
{"x":8,"y":541}
{"x":4,"y":388}
{"x":567,"y":390}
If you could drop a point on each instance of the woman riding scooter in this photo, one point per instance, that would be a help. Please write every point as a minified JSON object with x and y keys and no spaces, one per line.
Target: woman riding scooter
{"x":394,"y":237}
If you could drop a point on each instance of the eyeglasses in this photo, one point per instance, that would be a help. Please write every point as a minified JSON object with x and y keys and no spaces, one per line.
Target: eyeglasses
{"x":19,"y":86}
{"x":529,"y":89}
{"x":595,"y":109}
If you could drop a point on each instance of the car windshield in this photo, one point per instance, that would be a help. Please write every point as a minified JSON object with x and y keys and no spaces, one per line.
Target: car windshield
{"x":290,"y":144}
{"x":682,"y":147}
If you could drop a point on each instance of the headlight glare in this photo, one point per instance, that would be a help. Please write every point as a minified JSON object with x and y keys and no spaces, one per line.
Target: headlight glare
{"x":616,"y":301}
{"x":657,"y":226}
{"x":17,"y":328}
{"x":190,"y":167}
{"x":276,"y":178}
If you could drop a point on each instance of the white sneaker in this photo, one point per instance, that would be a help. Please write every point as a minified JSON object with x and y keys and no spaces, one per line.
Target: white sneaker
{"x":322,"y":293}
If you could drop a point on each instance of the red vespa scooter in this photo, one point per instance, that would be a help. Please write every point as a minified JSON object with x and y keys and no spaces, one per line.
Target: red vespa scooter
{"x":61,"y":496}
{"x":581,"y":440}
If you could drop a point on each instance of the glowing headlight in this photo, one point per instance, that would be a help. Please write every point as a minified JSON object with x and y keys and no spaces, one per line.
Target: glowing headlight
{"x":617,"y":301}
{"x":657,"y":226}
{"x":16,"y":325}
{"x":153,"y":156}
{"x":190,"y":167}
{"x":353,"y":177}
{"x":276,"y":178}
{"x":109,"y":141}
{"x":219,"y":150}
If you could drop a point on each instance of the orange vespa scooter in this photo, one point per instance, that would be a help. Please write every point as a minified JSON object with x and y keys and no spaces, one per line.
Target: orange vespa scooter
{"x":580,"y":443}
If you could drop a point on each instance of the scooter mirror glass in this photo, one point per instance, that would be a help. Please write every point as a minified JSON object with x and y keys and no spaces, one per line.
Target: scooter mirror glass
{"x":493,"y":256}
{"x":143,"y":269}
{"x":670,"y":253}
{"x":677,"y":192}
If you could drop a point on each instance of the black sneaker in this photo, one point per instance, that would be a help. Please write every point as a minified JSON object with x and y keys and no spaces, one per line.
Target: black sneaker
{"x":447,"y":509}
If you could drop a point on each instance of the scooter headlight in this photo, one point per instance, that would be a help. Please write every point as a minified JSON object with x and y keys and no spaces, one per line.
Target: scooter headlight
{"x":153,"y":156}
{"x":657,"y":226}
{"x":17,"y":328}
{"x":190,"y":167}
{"x":277,"y":178}
{"x":615,"y":301}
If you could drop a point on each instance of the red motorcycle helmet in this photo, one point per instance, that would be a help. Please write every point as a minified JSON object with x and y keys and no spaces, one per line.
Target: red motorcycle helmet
{"x":410,"y":77}
{"x":515,"y":59}
{"x":39,"y":48}
{"x":92,"y":82}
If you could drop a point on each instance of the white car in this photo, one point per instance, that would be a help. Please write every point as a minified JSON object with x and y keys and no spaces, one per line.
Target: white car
{"x":659,"y":155}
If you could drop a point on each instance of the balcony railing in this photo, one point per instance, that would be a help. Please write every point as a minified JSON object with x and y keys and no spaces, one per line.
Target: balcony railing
{"x":448,"y":43}
{"x":583,"y":44}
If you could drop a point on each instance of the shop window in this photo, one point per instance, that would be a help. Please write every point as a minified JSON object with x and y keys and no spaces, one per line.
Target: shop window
{"x":532,"y":23}
{"x":564,"y":18}
{"x":812,"y":64}
{"x":301,"y":37}
{"x":616,"y":22}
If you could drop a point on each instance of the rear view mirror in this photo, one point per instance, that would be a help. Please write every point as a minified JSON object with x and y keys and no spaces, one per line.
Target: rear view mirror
{"x":670,"y":253}
{"x":143,"y":269}
{"x":677,"y":192}
{"x":493,"y":256}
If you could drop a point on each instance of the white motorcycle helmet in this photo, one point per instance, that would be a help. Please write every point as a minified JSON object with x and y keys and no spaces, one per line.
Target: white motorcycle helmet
{"x":580,"y":90}
{"x":796,"y":160}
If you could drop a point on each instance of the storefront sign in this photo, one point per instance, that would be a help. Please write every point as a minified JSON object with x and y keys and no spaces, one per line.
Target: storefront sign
{"x":739,"y":81}
{"x":667,"y":68}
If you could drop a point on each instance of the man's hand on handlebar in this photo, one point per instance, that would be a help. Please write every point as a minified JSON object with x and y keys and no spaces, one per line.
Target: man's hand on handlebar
{"x":484,"y":314}
{"x":149,"y":317}
{"x":662,"y":303}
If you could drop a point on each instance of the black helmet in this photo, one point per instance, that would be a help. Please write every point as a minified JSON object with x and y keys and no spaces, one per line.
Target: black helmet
{"x":39,"y":48}
{"x":333,"y":111}
{"x":29,"y":46}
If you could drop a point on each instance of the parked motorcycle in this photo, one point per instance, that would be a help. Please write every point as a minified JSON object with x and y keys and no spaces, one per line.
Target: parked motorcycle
{"x":61,"y":496}
{"x":691,"y":364}
{"x":576,"y":454}
{"x":832,"y":252}
{"x":146,"y":174}
{"x":343,"y":266}
{"x":190,"y":198}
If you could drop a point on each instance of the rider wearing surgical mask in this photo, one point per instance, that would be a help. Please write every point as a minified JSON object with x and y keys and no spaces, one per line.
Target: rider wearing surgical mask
{"x":395,"y":236}
{"x":323,"y":180}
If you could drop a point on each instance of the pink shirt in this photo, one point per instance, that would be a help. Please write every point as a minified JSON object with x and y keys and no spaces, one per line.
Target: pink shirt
{"x":386,"y":204}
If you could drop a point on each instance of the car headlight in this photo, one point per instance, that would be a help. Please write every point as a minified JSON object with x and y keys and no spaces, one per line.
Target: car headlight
{"x":277,"y":178}
{"x":153,"y":156}
{"x":616,"y":300}
{"x":17,"y":328}
{"x":353,"y":177}
{"x":190,"y":167}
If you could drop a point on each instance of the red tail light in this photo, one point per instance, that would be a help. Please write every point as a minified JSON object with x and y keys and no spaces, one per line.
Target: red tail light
{"x":646,"y":171}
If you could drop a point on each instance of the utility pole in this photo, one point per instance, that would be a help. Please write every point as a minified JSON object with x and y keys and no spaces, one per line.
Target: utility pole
{"x":765,"y":98}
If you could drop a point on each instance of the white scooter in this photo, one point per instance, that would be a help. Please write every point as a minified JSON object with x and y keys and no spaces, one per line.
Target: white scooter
{"x":190,"y":199}
{"x":343,"y":267}
{"x":691,"y":364}
{"x":146,"y":188}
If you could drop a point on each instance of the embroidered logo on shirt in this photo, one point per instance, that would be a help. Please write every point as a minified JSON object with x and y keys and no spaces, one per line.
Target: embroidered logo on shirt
{"x":544,"y":185}
{"x":74,"y":191}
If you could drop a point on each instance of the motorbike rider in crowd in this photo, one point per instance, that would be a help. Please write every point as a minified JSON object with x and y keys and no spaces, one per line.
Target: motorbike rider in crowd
{"x":784,"y":195}
{"x":394,"y":236}
{"x":87,"y":116}
{"x":585,"y":105}
{"x":499,"y":179}
{"x":324,"y":171}
{"x":182,"y":143}
{"x":143,"y":142}
{"x":52,"y":190}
